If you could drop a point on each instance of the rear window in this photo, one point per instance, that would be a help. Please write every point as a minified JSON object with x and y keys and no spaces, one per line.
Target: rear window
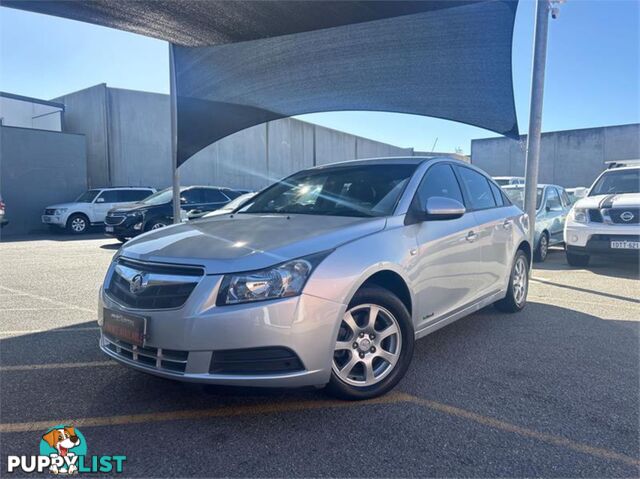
{"x":478,"y":188}
{"x":130,"y":196}
{"x":210,"y":195}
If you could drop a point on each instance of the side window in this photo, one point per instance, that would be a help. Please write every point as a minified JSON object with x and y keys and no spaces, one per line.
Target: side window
{"x":213,"y":196}
{"x":553,"y":200}
{"x":126,"y":196}
{"x":477,"y":188}
{"x":497,"y":194}
{"x":191,"y":197}
{"x":108,"y":196}
{"x":566,"y":202}
{"x":439,"y":181}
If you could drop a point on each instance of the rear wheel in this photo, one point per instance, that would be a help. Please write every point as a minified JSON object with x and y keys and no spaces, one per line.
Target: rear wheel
{"x":77,"y":224}
{"x":578,"y":260}
{"x":374,"y":345}
{"x":542,"y":250}
{"x":516,"y":298}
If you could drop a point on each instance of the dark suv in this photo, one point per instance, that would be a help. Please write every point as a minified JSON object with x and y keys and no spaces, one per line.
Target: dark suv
{"x":156,"y":210}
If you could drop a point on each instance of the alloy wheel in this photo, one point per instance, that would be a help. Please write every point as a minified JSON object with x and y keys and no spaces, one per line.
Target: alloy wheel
{"x":78,"y":225}
{"x":157,"y":226}
{"x":368,"y":345}
{"x":544,"y":246}
{"x":520,"y":280}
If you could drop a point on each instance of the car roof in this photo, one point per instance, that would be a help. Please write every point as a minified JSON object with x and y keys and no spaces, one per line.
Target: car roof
{"x":123,"y":188}
{"x":388,"y":160}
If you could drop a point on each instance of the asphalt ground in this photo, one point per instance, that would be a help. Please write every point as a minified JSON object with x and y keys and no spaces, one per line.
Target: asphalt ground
{"x":551,"y":392}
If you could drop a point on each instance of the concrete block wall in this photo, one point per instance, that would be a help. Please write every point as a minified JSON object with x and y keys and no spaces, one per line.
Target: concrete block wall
{"x":569,"y":158}
{"x":38,"y":168}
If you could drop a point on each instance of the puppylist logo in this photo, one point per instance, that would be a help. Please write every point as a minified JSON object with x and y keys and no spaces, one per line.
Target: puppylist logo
{"x":63,"y":450}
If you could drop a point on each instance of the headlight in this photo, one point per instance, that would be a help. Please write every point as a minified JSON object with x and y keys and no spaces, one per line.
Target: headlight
{"x":281,"y":281}
{"x":134,"y":213}
{"x":579,"y":215}
{"x":59,"y":211}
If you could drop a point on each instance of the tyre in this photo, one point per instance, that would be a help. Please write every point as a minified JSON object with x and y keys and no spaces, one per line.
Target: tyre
{"x":374,"y":346}
{"x":542,"y":250}
{"x":77,"y":224}
{"x":122,"y":239}
{"x":516,"y":298}
{"x":157,"y":224}
{"x":578,"y":260}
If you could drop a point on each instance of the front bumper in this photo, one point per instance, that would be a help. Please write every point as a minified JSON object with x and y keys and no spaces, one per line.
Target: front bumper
{"x":188,"y":343}
{"x":126,"y":229}
{"x":595,"y":238}
{"x":58,"y":220}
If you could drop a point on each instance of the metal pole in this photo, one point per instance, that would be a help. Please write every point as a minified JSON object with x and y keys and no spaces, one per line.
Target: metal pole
{"x":174,"y":136}
{"x":535,"y":114}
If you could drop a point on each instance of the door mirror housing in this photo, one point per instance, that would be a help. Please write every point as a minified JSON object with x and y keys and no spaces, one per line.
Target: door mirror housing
{"x":100,"y":200}
{"x":439,"y":208}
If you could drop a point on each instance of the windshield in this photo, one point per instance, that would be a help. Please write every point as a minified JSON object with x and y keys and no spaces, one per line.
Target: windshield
{"x":359,"y":190}
{"x":516,"y":195}
{"x":159,"y":198}
{"x":616,"y":182}
{"x":87,"y":196}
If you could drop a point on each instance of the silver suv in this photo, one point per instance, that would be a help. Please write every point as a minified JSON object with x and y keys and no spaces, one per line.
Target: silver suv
{"x":323,"y":278}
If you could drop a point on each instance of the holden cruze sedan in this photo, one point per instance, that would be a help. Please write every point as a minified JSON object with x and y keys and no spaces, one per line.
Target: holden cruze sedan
{"x":324,"y":278}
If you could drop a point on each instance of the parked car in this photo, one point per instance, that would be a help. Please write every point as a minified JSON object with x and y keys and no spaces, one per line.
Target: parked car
{"x":156,"y":211}
{"x":3,"y":219}
{"x":509,"y":180}
{"x":576,"y":193}
{"x":91,"y":207}
{"x":607,"y":221}
{"x":324,"y":278}
{"x":232,"y":206}
{"x":552,"y":207}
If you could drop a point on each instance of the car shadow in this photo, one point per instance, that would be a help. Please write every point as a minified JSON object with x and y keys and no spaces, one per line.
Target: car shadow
{"x":61,"y":236}
{"x":602,"y":265}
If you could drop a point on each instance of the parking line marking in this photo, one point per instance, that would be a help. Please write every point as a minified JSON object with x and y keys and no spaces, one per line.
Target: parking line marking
{"x":226,"y":411}
{"x":260,"y":409}
{"x":38,"y":331}
{"x":586,"y":291}
{"x":52,"y":301}
{"x":33,"y":367}
{"x":526,"y":432}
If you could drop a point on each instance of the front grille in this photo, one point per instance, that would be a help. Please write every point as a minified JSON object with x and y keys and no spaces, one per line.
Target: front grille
{"x":168,"y":286}
{"x":50,"y":211}
{"x":595,"y":216}
{"x":615,"y":238}
{"x":269,"y":360}
{"x":617,"y":215}
{"x":165,"y":359}
{"x":114,"y":219}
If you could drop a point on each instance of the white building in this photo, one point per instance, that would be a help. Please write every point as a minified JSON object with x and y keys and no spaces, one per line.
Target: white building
{"x":25,"y":112}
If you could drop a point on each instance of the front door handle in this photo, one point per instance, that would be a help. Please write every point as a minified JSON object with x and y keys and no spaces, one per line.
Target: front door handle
{"x":507,"y":224}
{"x":471,"y":236}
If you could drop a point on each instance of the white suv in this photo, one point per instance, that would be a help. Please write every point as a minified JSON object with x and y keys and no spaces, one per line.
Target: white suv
{"x":91,"y":207}
{"x":607,"y":221}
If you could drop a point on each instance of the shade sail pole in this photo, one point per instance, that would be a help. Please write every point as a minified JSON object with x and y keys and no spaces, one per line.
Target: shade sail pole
{"x":173,"y":100}
{"x":535,"y":114}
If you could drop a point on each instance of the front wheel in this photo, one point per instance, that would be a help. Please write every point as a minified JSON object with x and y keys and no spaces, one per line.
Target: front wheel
{"x":541,"y":252}
{"x":577,"y":260}
{"x":157,"y":224}
{"x":516,"y":298}
{"x":374,"y":346}
{"x":77,"y":224}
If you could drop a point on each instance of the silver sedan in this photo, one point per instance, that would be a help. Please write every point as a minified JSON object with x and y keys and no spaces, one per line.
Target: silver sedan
{"x":325,"y":278}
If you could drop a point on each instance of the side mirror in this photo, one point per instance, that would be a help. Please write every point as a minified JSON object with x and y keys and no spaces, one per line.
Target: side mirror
{"x":100,"y":200}
{"x":441,"y":208}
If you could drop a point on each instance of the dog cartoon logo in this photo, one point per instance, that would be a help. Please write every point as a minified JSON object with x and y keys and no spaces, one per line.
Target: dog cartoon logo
{"x":63,"y":442}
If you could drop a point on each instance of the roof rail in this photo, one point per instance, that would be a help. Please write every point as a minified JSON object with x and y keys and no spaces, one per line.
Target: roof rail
{"x":621,"y":163}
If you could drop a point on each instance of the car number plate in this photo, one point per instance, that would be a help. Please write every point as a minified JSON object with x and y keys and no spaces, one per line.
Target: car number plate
{"x":127,"y":327}
{"x":625,"y":245}
{"x":109,"y":229}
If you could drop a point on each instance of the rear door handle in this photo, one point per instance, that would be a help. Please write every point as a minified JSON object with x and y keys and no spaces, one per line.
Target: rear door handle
{"x":471,"y":236}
